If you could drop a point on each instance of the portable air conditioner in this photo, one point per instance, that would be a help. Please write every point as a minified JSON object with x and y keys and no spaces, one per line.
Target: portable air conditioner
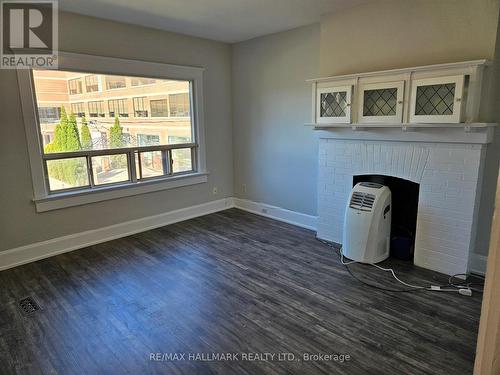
{"x":367,"y":223}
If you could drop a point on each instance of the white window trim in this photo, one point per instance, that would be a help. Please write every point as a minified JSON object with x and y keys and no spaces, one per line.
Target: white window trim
{"x":45,"y":200}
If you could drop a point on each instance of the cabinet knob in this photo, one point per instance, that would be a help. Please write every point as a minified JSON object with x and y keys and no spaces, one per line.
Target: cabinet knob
{"x":400,"y":102}
{"x":458,"y":99}
{"x":348,"y":104}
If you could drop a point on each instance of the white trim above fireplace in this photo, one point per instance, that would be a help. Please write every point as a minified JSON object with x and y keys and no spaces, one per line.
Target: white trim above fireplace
{"x":462,"y":83}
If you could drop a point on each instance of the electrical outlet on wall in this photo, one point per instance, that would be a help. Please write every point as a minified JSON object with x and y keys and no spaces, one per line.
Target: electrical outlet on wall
{"x":215,"y":190}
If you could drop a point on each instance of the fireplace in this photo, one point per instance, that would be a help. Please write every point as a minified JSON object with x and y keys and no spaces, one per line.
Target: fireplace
{"x":404,"y":196}
{"x":442,"y":168}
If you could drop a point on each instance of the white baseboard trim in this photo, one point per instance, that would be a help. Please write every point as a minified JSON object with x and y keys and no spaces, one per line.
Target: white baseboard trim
{"x":277,"y":213}
{"x":40,"y":250}
{"x":477,"y":264}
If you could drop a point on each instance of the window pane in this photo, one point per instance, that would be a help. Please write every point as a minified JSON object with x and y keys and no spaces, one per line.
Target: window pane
{"x":148,"y":139}
{"x":143,"y":106}
{"x":151,"y":164}
{"x":179,"y":105}
{"x":110,"y":169}
{"x":181,"y":160}
{"x":333,"y":104}
{"x":137,"y":81}
{"x":115,"y":82}
{"x":49,"y":114}
{"x":91,"y":83}
{"x":159,"y":108}
{"x":435,"y":100}
{"x":67,"y":173}
{"x":380,"y":102}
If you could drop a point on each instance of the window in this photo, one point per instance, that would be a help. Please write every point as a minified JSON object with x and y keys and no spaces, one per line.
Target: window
{"x":118,"y":107}
{"x":75,"y":86}
{"x":148,"y":139}
{"x":179,"y":105}
{"x":138,"y":81}
{"x":49,"y":115}
{"x":140,"y":108}
{"x":172,"y":139}
{"x":105,"y":157}
{"x":78,"y":109}
{"x":115,"y":82}
{"x":159,"y":108}
{"x":96,"y":108}
{"x":91,"y":83}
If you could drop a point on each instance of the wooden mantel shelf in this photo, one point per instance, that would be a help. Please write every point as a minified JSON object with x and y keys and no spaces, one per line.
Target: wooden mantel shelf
{"x":404,"y":127}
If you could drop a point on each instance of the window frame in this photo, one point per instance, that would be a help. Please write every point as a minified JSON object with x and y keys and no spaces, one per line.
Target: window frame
{"x":142,"y":100}
{"x":46,"y":200}
{"x":118,"y":104}
{"x":78,"y":105}
{"x":93,"y":77}
{"x":154,"y":102}
{"x":79,"y":86}
{"x":175,"y":103}
{"x":98,"y":103}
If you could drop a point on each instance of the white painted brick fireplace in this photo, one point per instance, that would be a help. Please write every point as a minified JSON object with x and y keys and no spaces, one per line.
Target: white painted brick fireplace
{"x":447,"y":163}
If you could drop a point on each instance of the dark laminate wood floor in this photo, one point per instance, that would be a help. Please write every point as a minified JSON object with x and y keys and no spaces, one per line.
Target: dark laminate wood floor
{"x":227,"y":282}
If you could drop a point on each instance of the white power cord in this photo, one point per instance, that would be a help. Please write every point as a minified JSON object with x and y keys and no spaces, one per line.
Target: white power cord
{"x":463,"y":291}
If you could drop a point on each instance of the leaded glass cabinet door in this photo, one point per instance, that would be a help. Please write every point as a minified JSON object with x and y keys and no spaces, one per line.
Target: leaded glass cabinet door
{"x":334,"y":105}
{"x":437,"y":100}
{"x":381,"y":102}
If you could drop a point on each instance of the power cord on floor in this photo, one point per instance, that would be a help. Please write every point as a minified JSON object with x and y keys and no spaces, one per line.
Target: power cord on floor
{"x":463,"y":288}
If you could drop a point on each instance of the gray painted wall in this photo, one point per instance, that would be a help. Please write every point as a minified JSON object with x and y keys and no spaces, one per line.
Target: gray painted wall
{"x":19,"y":222}
{"x":275,"y":155}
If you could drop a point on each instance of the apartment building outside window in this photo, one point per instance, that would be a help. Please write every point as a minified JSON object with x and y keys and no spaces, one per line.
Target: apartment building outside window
{"x":96,"y":108}
{"x":115,"y":82}
{"x":91,"y":83}
{"x":78,"y":109}
{"x":159,"y":108}
{"x":75,"y":86}
{"x":118,"y":107}
{"x":140,"y":109}
{"x":179,"y":105}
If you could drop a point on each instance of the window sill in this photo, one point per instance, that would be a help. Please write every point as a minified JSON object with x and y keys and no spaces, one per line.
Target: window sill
{"x":81,"y":197}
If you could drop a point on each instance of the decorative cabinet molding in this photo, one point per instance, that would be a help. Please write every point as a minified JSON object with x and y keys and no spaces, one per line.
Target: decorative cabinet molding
{"x":334,"y":104}
{"x":381,"y":102}
{"x":437,"y":100}
{"x":434,"y":94}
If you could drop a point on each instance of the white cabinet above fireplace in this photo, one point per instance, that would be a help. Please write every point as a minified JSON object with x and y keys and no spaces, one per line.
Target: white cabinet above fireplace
{"x":426,"y":96}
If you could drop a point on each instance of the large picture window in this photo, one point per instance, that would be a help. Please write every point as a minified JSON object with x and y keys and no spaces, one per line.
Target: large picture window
{"x":104,"y":148}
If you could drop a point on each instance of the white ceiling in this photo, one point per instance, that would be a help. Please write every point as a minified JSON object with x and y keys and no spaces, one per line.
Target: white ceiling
{"x":223,"y":20}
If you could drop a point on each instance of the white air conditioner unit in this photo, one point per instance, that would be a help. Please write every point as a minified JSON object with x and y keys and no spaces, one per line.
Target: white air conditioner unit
{"x":367,"y":223}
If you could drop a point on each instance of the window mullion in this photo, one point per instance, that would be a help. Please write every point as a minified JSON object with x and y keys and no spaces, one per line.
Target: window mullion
{"x":90,"y":171}
{"x":132,"y":163}
{"x":170,"y":162}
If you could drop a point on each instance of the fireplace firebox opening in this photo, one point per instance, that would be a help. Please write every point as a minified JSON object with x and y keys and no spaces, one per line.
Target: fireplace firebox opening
{"x":404,"y":213}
